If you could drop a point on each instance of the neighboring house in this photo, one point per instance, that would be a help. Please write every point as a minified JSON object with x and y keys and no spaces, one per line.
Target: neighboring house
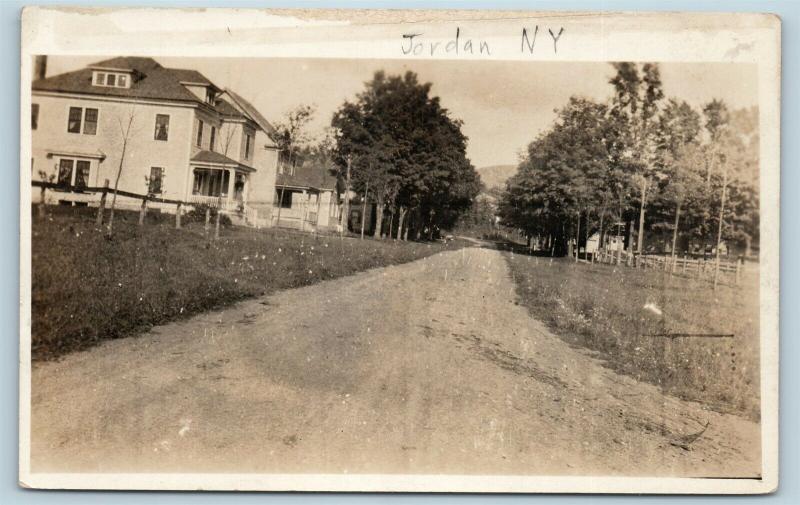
{"x":306,"y":198}
{"x":189,"y":140}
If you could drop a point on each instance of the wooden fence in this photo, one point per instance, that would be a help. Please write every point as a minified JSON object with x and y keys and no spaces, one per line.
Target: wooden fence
{"x":105,"y":191}
{"x":685,"y":266}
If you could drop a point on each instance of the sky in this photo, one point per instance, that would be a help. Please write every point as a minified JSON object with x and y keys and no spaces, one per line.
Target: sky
{"x":504,"y":105}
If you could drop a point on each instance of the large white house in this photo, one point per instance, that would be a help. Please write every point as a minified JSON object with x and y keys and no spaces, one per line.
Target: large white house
{"x":176,"y":134}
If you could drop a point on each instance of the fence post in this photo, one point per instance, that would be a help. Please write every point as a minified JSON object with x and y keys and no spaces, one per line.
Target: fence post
{"x":101,"y":208}
{"x":685,"y":261}
{"x":208,"y":221}
{"x":738,"y":270}
{"x":42,"y":208}
{"x":216,"y":226}
{"x":143,"y":211}
{"x":178,"y":217}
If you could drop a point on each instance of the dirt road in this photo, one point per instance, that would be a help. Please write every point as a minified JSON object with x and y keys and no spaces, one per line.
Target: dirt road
{"x":424,"y":367}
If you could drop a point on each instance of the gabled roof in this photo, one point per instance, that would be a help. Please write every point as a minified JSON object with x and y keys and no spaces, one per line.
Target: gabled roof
{"x":251,"y":111}
{"x":151,"y":81}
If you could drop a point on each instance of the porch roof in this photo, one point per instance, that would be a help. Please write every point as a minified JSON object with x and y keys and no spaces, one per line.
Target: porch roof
{"x":216,"y":159}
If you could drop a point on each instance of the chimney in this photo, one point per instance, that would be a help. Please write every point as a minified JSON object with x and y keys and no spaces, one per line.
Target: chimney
{"x":40,"y":68}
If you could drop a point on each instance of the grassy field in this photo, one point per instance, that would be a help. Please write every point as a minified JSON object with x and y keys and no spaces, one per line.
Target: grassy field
{"x":615,"y":311}
{"x":86,"y":287}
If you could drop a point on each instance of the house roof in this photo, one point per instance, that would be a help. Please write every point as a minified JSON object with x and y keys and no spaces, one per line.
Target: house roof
{"x":215,"y":158}
{"x":150,"y":81}
{"x":308,"y":176}
{"x":228,"y":110}
{"x":190,"y":76}
{"x":251,"y":111}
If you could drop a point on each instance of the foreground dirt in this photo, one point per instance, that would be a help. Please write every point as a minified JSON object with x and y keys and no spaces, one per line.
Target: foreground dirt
{"x":427,"y":367}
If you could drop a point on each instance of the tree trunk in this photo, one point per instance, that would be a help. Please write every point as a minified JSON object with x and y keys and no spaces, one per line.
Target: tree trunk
{"x":578,"y":238}
{"x":675,"y":233}
{"x":346,"y":208}
{"x":378,"y":219}
{"x":721,"y":222}
{"x":402,"y":214}
{"x":116,"y":186}
{"x":640,"y":238}
{"x":391,"y":221}
{"x":364,"y":210}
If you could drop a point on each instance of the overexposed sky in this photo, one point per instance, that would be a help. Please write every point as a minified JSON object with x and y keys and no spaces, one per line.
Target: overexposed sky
{"x":503,"y":104}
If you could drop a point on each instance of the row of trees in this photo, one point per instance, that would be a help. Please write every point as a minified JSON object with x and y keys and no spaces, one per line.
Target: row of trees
{"x":395,"y":147}
{"x":639,"y":158}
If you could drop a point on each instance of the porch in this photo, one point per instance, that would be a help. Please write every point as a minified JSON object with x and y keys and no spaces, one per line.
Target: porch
{"x":221,"y":183}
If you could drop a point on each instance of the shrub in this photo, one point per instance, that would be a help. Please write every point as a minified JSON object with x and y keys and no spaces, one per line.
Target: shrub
{"x":198,"y":215}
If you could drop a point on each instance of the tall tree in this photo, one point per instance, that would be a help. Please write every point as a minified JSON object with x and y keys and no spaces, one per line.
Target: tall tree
{"x":399,"y":138}
{"x":291,"y":137}
{"x":127,"y":132}
{"x":637,"y":95}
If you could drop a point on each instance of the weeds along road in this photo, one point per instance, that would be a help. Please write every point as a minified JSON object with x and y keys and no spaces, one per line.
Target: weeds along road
{"x":424,"y":367}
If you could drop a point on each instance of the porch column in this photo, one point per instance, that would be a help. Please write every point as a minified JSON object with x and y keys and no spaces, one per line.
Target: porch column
{"x":231,"y":179}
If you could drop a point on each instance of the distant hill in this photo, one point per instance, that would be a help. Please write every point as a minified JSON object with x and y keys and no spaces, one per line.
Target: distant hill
{"x":496,"y":176}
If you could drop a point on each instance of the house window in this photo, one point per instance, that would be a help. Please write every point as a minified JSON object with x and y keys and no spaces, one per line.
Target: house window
{"x":111,"y":80}
{"x":210,"y":96}
{"x":284,"y":198}
{"x":247,"y":144}
{"x":155,"y":180}
{"x":162,"y":127}
{"x":34,"y":116}
{"x":65,"y":172}
{"x":90,"y":122}
{"x":213,"y":138}
{"x":74,"y":123}
{"x":199,"y":141}
{"x":82,"y":173}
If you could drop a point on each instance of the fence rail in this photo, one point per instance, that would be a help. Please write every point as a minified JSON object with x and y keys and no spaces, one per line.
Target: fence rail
{"x":249,"y":215}
{"x":674,"y":265}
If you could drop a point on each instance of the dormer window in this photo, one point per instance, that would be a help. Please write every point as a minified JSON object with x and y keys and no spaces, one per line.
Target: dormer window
{"x":210,"y":96}
{"x":111,"y":79}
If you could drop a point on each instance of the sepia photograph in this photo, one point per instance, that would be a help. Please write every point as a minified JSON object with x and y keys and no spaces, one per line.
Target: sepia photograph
{"x":441,"y":263}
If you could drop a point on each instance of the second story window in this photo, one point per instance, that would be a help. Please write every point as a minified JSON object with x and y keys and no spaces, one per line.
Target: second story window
{"x":90,"y":122}
{"x":34,"y":116}
{"x":88,"y":117}
{"x":248,"y":141}
{"x":74,"y":122}
{"x":199,"y":141}
{"x":212,"y":139}
{"x":162,"y":127}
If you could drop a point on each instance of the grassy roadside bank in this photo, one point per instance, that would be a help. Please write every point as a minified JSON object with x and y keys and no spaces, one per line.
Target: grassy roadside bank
{"x":615,"y":311}
{"x":86,"y":288}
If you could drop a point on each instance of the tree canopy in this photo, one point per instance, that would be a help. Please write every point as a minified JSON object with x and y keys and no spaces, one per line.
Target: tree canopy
{"x":639,"y":157}
{"x":406,"y":152}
